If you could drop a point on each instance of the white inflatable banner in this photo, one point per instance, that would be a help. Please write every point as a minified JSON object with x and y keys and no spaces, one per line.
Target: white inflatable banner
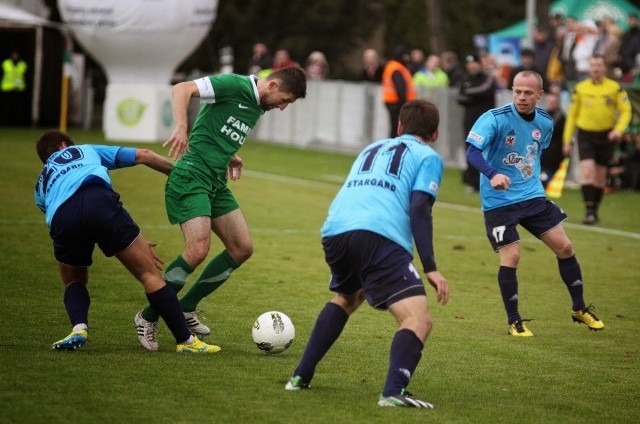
{"x":139,"y":43}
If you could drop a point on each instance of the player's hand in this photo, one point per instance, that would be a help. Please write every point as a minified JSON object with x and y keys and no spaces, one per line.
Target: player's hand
{"x":179,"y":142}
{"x":614,"y":136}
{"x":235,"y":168}
{"x":156,"y":259}
{"x":500,"y":182}
{"x":566,"y":149}
{"x":441,"y":285}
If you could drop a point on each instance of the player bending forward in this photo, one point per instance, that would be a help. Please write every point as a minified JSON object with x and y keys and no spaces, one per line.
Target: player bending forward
{"x":382,"y":208}
{"x":82,"y":210}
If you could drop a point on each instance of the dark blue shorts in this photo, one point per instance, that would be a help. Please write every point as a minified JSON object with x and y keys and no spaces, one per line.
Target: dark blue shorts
{"x":94,"y":214}
{"x":382,"y":268}
{"x":536,"y":216}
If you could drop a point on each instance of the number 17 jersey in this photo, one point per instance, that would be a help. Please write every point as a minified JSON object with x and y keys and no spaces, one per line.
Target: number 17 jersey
{"x":377,"y":192}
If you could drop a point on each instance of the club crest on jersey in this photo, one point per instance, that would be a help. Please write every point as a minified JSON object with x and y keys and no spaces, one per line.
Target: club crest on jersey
{"x":536,"y":134}
{"x":510,"y":139}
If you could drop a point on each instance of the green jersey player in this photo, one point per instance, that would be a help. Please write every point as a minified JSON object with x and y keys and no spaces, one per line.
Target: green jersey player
{"x":196,"y":194}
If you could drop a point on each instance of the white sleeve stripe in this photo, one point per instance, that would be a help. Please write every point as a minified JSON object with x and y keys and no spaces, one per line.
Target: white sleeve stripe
{"x":205,"y":88}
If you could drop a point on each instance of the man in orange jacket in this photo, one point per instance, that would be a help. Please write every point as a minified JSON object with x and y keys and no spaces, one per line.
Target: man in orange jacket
{"x":397,"y":87}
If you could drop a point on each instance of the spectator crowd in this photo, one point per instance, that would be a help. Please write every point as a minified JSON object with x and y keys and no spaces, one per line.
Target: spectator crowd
{"x":560,"y":52}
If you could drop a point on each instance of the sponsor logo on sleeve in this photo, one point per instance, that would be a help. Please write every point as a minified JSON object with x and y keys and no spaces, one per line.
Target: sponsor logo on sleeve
{"x":475,"y":137}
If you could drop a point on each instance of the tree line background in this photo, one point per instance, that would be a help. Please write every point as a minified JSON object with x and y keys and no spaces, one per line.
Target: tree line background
{"x":343,"y":29}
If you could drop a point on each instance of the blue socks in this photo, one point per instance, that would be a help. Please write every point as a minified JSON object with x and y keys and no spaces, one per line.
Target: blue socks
{"x":508,"y":283}
{"x":406,"y":351}
{"x":76,"y":302}
{"x":572,"y":277}
{"x":328,"y":327}
{"x":165,"y":302}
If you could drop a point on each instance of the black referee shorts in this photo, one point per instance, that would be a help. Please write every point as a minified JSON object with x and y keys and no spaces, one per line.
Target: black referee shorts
{"x":595,"y":145}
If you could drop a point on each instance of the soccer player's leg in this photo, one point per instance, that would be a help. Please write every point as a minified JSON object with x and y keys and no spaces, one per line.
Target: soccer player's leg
{"x":501,"y":230}
{"x":232,"y":229}
{"x":228,"y":223}
{"x":73,"y":248}
{"x":328,"y":327}
{"x":407,"y":302}
{"x":76,"y":302}
{"x":347,"y":284}
{"x":197,"y":235}
{"x":551,"y":232}
{"x":188,"y":203}
{"x":138,"y":259}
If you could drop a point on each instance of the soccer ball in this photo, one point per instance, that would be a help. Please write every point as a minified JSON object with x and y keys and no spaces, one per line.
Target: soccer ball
{"x":273,"y":332}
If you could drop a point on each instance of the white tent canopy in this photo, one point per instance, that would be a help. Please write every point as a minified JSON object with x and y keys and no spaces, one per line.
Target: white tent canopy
{"x":13,"y":16}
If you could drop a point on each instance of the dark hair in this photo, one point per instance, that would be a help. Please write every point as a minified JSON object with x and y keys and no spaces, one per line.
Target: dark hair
{"x":420,"y":118}
{"x":292,"y":79}
{"x":527,"y":52}
{"x":396,"y":52}
{"x":50,"y":142}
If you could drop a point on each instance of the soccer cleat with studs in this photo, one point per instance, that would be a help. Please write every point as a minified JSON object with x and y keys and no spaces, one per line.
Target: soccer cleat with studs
{"x":147,"y":331}
{"x":587,"y":317}
{"x":519,"y":329}
{"x":194,"y":324}
{"x":198,"y":346}
{"x":296,"y":383}
{"x":73,"y":341}
{"x":591,"y":218}
{"x":404,"y":400}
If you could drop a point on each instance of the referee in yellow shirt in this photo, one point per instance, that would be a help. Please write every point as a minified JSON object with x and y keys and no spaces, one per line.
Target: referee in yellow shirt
{"x":600,"y":111}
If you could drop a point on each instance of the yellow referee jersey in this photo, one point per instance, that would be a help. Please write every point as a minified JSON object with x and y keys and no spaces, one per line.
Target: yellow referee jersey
{"x":597,"y":107}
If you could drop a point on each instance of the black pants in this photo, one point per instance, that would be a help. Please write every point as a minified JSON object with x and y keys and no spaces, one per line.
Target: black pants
{"x":394,"y":115}
{"x":471,"y":177}
{"x":13,"y":109}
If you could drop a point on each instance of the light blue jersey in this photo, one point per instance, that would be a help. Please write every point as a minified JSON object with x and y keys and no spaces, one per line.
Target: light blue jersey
{"x":513,"y":146}
{"x":69,"y":169}
{"x":377,"y":193}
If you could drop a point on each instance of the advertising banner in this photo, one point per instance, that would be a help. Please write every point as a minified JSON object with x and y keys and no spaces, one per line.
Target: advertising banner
{"x":138,"y":112}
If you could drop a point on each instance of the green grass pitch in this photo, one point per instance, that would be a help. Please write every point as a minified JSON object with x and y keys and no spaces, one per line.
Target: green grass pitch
{"x":471,"y":369}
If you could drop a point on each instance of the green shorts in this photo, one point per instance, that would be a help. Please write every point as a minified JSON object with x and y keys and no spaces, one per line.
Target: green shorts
{"x":189,"y":195}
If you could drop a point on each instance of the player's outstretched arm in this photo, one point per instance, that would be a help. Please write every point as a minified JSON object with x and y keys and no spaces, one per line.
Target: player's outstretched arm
{"x":153,"y":161}
{"x":180,"y":96}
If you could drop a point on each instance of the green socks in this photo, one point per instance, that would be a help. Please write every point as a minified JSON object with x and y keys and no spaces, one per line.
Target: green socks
{"x":214,"y":274}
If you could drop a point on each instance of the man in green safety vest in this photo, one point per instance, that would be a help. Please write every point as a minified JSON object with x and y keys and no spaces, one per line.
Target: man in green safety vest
{"x":13,"y":90}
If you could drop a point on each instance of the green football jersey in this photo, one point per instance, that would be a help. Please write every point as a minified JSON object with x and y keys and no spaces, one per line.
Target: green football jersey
{"x":226,"y":117}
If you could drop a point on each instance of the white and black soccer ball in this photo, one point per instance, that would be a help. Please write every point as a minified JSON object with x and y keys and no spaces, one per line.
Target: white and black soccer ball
{"x":273,"y":332}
